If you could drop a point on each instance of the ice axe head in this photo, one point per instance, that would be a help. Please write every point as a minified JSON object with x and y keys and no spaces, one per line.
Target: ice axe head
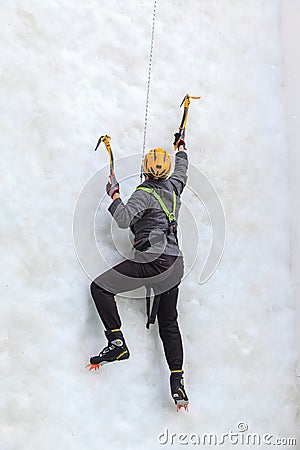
{"x":186,"y":100}
{"x":105,"y":138}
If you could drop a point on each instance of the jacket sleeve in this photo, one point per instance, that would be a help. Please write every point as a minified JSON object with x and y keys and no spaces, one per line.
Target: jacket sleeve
{"x":127,"y":215}
{"x":179,"y":175}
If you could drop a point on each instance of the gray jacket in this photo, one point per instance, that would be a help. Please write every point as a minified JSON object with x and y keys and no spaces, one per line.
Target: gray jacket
{"x":144,"y":215}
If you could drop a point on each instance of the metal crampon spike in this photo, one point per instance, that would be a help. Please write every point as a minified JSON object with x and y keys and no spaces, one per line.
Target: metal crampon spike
{"x":93,"y":366}
{"x":178,"y":407}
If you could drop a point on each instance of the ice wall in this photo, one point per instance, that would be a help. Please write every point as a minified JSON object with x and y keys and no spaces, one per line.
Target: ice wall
{"x":72,"y":71}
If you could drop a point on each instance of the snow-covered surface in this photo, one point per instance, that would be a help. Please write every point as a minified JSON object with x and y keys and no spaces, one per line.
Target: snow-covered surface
{"x":71,"y":71}
{"x":290,"y":33}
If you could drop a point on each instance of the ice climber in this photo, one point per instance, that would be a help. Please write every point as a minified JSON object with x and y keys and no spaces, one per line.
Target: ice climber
{"x":151,"y":213}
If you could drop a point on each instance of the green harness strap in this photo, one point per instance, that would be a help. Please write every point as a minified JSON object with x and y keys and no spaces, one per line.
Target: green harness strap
{"x":170,"y":215}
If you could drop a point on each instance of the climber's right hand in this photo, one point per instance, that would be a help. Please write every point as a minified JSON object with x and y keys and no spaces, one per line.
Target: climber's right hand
{"x":178,"y":141}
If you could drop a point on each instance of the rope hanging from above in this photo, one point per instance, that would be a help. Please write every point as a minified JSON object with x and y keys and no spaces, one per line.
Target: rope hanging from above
{"x":148,"y":84}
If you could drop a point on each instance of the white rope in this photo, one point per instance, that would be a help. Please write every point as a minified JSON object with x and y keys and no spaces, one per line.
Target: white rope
{"x":148,"y":85}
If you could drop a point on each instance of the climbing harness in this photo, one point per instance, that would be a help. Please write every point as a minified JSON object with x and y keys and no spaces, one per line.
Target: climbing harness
{"x":148,"y":85}
{"x":151,"y":316}
{"x":106,"y":140}
{"x":171,"y":216}
{"x":182,"y":127}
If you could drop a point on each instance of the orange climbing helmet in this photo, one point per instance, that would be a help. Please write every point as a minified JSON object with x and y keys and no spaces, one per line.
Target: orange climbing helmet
{"x":157,"y":163}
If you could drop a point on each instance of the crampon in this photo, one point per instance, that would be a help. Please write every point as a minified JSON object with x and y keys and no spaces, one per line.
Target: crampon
{"x":93,"y":366}
{"x":186,"y":407}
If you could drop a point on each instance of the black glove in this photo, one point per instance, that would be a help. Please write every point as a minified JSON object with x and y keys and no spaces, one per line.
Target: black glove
{"x":112,"y":186}
{"x":178,"y":140}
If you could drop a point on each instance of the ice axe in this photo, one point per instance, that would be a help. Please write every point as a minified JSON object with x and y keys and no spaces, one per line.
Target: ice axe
{"x":106,"y":140}
{"x":186,"y":103}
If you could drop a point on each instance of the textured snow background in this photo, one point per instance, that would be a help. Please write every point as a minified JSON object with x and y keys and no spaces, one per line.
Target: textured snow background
{"x":71,"y":71}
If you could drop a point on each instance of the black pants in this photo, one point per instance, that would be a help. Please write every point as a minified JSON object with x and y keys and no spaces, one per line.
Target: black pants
{"x":164,"y":274}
